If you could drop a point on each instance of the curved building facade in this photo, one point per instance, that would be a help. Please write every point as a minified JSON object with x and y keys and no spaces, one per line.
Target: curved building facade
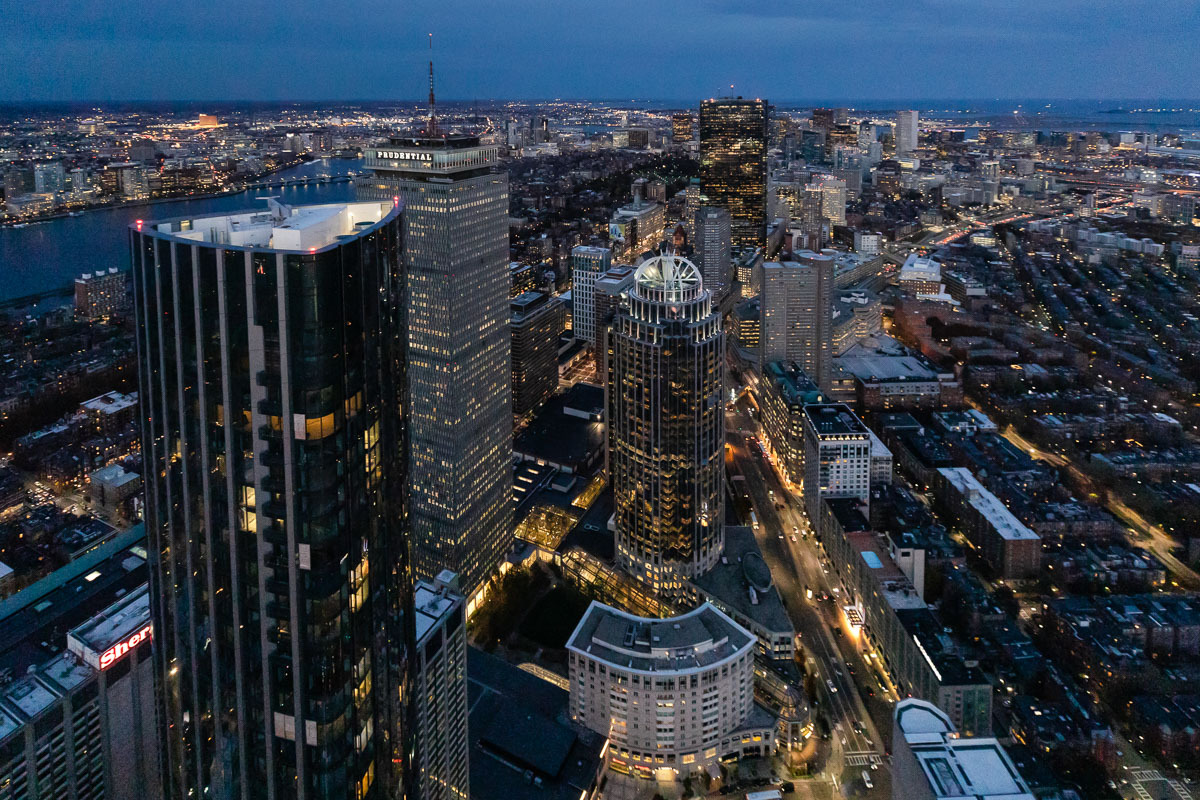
{"x":672,"y":693}
{"x":272,"y":380}
{"x":667,"y":433}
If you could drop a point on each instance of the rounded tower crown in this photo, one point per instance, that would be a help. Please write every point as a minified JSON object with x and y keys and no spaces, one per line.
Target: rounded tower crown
{"x":668,"y":279}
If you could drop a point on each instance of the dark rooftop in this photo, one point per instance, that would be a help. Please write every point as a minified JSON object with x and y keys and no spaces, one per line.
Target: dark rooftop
{"x":848,"y":512}
{"x":525,"y":726}
{"x":585,"y":398}
{"x":556,"y":437}
{"x":34,"y":622}
{"x":834,"y":419}
{"x":727,"y":584}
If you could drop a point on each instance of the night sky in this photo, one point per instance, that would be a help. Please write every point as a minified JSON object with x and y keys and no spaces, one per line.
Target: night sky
{"x":71,"y":50}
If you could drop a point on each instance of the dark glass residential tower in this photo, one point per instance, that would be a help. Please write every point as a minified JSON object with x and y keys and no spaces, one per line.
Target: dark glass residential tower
{"x":455,"y":259}
{"x":733,"y":165}
{"x":666,"y":444}
{"x":272,"y":377}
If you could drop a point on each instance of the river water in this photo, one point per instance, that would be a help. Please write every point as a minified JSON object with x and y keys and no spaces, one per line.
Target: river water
{"x":50,"y":254}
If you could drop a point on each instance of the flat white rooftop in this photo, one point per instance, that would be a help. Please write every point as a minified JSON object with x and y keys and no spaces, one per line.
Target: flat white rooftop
{"x":917,"y":268}
{"x":113,"y":625}
{"x":431,"y":607}
{"x":280,"y":226}
{"x":956,"y":768}
{"x":990,"y":506}
{"x":111,"y":403}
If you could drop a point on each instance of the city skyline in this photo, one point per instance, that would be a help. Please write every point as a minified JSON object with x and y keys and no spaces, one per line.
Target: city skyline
{"x":599,"y":450}
{"x":1014,"y":47}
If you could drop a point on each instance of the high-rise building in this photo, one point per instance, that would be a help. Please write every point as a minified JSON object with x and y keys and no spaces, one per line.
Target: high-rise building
{"x":681,"y":126}
{"x":440,"y":686}
{"x":906,"y":132}
{"x":587,"y":265}
{"x":639,"y":224}
{"x":797,"y":313}
{"x":612,"y":289}
{"x":49,"y":177}
{"x":733,"y":165}
{"x":455,"y":256}
{"x":77,"y":705}
{"x":786,"y":391}
{"x":272,"y":376}
{"x":712,"y":246}
{"x":666,"y":417}
{"x":693,"y":199}
{"x":826,"y":118}
{"x":837,"y":456}
{"x":833,"y":200}
{"x":522,"y":278}
{"x":102,"y":294}
{"x":932,"y":760}
{"x":537,"y":322}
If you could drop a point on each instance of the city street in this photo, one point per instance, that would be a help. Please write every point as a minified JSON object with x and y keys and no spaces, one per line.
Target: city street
{"x":827,"y":640}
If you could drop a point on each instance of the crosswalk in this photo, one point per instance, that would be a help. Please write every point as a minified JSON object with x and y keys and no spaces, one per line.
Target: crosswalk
{"x":1140,"y":776}
{"x":863,"y":758}
{"x":1180,"y":789}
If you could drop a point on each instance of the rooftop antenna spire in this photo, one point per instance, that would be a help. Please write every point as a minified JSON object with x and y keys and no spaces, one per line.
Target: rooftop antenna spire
{"x":432,"y":115}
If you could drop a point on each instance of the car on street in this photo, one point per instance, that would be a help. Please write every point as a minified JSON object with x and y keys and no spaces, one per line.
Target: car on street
{"x":829,"y":685}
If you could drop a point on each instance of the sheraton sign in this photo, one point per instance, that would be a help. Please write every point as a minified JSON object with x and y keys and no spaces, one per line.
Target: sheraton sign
{"x":121,"y":649}
{"x":109,"y":636}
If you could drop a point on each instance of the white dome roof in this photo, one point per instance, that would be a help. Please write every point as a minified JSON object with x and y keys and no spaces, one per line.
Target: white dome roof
{"x":672,"y":275}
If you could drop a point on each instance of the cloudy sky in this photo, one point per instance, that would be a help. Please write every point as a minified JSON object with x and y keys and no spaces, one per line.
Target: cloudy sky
{"x":605,"y":49}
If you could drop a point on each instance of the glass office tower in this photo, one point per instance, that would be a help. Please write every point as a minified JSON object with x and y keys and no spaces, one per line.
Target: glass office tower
{"x":667,"y":426}
{"x":455,"y":256}
{"x":272,"y":378}
{"x":733,"y":165}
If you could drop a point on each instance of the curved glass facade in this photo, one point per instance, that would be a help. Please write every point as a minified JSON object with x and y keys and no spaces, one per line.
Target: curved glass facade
{"x":273,"y":398}
{"x":666,"y":455}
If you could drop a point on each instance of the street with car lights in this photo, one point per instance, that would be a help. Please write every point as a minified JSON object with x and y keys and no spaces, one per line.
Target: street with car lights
{"x":851,"y":694}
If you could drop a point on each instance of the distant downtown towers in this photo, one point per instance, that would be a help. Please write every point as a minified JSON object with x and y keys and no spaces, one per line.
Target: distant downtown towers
{"x":733,"y":165}
{"x":666,"y":444}
{"x":455,"y":255}
{"x":273,"y":396}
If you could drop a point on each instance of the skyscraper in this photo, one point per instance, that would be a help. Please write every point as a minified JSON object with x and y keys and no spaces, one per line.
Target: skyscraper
{"x":587,"y":264}
{"x":49,"y":177}
{"x":733,"y":164}
{"x":837,"y":456}
{"x":667,"y":425}
{"x":455,"y":255}
{"x":797,"y":314}
{"x":272,"y":379}
{"x":681,"y":126}
{"x":537,"y":322}
{"x":440,"y":686}
{"x":833,"y":200}
{"x":906,"y":132}
{"x":693,"y":199}
{"x":712,"y":243}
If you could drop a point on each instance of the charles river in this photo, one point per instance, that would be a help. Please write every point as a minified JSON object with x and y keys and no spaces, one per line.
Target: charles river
{"x":47,"y":255}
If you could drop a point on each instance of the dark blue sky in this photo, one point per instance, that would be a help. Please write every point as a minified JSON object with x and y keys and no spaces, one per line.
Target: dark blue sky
{"x":615,"y":49}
